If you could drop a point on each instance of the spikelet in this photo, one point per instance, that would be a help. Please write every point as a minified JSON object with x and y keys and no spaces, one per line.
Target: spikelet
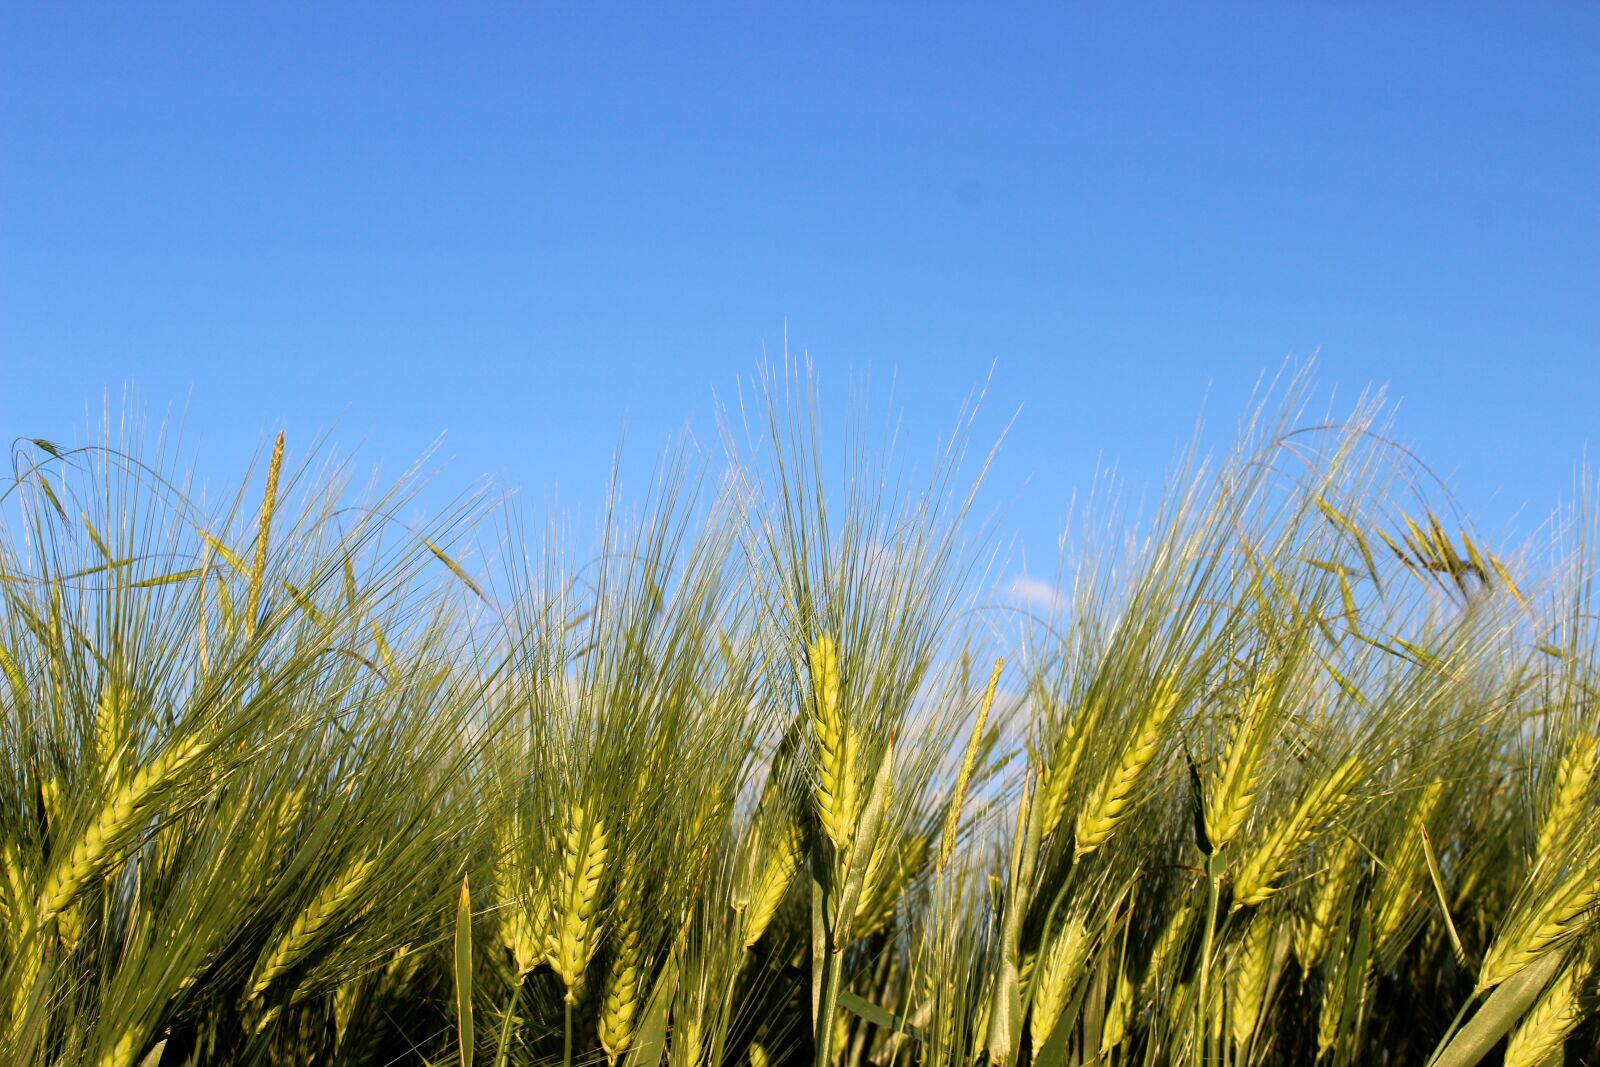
{"x":624,"y":976}
{"x":838,"y":789}
{"x":309,"y":925}
{"x":123,"y":813}
{"x":583,"y":858}
{"x":1106,"y":803}
{"x":969,"y":760}
{"x":1057,"y":977}
{"x":1249,"y":978}
{"x":1234,"y":788}
{"x":1541,"y":923}
{"x":758,"y":1055}
{"x":772,"y":884}
{"x":1573,"y":776}
{"x":258,"y":566}
{"x":1556,"y":1013}
{"x":1283,"y":843}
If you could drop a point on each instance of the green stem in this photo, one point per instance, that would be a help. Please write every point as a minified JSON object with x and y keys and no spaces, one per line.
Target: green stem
{"x":1213,"y":892}
{"x":566,"y":1055}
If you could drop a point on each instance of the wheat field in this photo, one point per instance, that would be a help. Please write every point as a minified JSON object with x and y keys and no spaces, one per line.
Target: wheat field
{"x":1295,"y":767}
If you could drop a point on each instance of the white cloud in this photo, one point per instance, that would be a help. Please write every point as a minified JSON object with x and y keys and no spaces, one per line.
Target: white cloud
{"x":1036,"y":594}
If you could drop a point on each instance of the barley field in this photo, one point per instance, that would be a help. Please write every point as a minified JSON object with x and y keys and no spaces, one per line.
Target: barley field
{"x":1295,"y":768}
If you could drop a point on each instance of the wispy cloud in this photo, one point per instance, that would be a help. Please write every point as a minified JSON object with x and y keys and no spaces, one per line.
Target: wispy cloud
{"x":1035,"y":594}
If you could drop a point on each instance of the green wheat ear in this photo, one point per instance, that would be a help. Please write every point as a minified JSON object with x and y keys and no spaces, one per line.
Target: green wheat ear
{"x":838,"y":786}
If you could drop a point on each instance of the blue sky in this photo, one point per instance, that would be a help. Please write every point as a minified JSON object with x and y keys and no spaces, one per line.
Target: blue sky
{"x":528,"y":227}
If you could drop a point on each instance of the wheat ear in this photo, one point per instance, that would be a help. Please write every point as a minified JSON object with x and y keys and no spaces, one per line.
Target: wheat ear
{"x":1106,"y":803}
{"x":1233,"y":791}
{"x":1573,"y":776}
{"x":1556,"y":1014}
{"x":121,"y":815}
{"x":302,"y":935}
{"x":1531,"y":935}
{"x":258,"y":565}
{"x":624,"y":976}
{"x":1057,"y":977}
{"x":583,"y":858}
{"x":1267,"y":863}
{"x":838,"y":790}
{"x":772,"y":884}
{"x":969,"y":760}
{"x":1330,"y":887}
{"x":1251,"y":974}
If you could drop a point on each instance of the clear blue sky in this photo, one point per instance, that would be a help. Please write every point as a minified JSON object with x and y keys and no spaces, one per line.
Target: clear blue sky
{"x":530,"y":225}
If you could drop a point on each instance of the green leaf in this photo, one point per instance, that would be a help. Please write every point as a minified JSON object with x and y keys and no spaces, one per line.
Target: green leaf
{"x":876,"y":1015}
{"x":1509,"y":1002}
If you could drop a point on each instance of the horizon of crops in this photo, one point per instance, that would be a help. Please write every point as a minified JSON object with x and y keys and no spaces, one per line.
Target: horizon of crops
{"x":1297,"y":768}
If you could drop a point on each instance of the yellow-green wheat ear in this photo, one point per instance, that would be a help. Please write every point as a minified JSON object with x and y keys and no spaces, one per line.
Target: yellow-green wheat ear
{"x":838,"y":796}
{"x":583,"y":858}
{"x":1107,"y":803}
{"x":1573,"y":775}
{"x":258,"y":566}
{"x":969,"y":760}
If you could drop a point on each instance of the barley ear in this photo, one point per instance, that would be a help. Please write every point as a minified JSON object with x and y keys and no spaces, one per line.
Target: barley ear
{"x":1556,"y":1013}
{"x":119,"y":818}
{"x":772,"y":883}
{"x":620,"y":1010}
{"x":838,"y":791}
{"x":583,"y":857}
{"x":1573,"y":775}
{"x":302,"y":936}
{"x":1255,"y":881}
{"x":969,"y":759}
{"x":1056,"y":979}
{"x":1108,"y":801}
{"x":258,"y":565}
